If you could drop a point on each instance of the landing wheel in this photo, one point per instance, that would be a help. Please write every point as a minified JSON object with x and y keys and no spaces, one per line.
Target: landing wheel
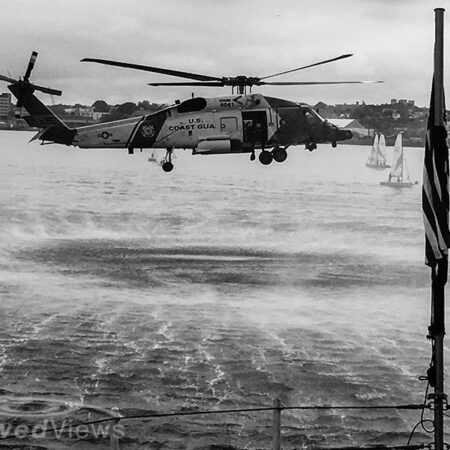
{"x":252,"y":156}
{"x":334,"y":144}
{"x":167,"y":166}
{"x":311,"y":146}
{"x":279,"y":154}
{"x":265,"y":157}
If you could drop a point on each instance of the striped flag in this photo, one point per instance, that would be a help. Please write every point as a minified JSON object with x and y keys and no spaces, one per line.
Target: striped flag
{"x":435,"y":194}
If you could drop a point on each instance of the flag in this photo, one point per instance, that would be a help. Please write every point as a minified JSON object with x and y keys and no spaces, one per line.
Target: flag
{"x":435,"y":194}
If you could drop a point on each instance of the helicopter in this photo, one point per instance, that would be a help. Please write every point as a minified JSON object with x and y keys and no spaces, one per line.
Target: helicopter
{"x":242,"y":122}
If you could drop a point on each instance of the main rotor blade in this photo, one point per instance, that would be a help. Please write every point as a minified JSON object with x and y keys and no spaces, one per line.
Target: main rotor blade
{"x":47,"y":90}
{"x":211,"y":83}
{"x":175,"y":73}
{"x":310,"y":65}
{"x":30,"y":65}
{"x":9,"y":80}
{"x":307,"y":83}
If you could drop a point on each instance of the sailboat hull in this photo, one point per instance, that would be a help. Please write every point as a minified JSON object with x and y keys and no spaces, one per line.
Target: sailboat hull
{"x":396,"y":184}
{"x":378,"y":166}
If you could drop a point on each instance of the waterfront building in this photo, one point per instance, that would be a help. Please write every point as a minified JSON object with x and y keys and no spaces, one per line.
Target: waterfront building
{"x":5,"y":106}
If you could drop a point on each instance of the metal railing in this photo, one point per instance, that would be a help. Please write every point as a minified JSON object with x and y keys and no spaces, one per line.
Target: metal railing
{"x":116,"y":418}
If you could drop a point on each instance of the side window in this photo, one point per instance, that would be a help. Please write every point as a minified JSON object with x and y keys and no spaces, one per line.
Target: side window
{"x":228,"y":124}
{"x":309,"y":116}
{"x":193,"y":104}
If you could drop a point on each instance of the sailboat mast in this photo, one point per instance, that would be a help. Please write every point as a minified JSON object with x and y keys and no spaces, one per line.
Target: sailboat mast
{"x":402,"y":159}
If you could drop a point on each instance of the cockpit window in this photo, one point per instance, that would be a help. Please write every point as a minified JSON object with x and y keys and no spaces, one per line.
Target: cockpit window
{"x":313,"y":111}
{"x":312,"y":115}
{"x":193,"y":104}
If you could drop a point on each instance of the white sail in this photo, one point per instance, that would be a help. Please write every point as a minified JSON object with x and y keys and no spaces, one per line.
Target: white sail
{"x":377,"y":157}
{"x":381,"y":156}
{"x":405,"y":170}
{"x":374,"y":152}
{"x":397,"y":158}
{"x":399,"y":176}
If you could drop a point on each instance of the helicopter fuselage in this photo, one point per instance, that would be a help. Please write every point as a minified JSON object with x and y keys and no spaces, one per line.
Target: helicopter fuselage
{"x":232,"y":124}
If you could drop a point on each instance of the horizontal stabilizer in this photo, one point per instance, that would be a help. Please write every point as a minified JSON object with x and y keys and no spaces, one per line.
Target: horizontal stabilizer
{"x":37,"y":135}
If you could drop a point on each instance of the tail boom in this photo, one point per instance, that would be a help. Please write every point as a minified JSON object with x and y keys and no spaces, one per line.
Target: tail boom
{"x":54,"y":129}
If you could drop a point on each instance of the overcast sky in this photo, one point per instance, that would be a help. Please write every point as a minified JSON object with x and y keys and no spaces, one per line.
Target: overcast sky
{"x":392,"y":40}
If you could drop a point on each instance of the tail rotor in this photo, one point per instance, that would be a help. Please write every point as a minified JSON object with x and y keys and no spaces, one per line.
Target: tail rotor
{"x":30,"y":66}
{"x":22,"y":86}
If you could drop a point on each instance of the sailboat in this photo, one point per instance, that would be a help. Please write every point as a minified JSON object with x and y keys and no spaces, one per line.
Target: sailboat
{"x":399,"y":175}
{"x":377,"y":157}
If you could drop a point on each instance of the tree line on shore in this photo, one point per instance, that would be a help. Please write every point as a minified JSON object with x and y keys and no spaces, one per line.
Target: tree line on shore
{"x":109,"y":113}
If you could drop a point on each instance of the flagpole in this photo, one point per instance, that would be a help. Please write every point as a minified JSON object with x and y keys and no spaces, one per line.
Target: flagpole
{"x":439,"y":271}
{"x":439,"y":67}
{"x":437,"y":332}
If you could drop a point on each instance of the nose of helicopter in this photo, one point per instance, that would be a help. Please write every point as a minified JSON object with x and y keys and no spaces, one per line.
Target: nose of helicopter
{"x":345,"y":135}
{"x":338,"y":134}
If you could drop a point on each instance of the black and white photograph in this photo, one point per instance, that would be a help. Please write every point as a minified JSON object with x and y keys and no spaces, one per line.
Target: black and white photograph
{"x":224,"y":224}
